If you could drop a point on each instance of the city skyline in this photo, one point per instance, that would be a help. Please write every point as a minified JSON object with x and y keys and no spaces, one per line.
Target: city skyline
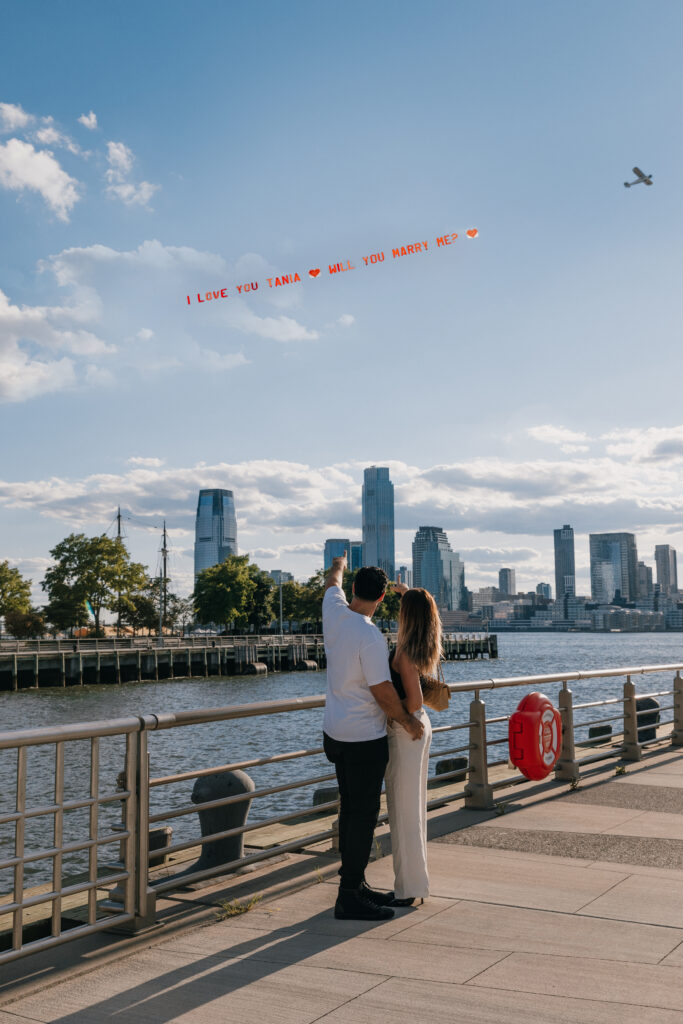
{"x":122,"y":193}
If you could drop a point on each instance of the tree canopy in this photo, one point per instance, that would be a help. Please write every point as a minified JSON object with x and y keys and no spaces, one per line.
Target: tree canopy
{"x":15,"y":591}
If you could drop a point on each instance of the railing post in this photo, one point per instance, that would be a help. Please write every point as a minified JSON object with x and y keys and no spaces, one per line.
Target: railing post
{"x":632,"y":749}
{"x":677,"y":734}
{"x":566,"y":767}
{"x":478,"y":792}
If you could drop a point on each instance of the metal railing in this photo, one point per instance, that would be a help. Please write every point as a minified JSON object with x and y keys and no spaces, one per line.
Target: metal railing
{"x":132,"y":902}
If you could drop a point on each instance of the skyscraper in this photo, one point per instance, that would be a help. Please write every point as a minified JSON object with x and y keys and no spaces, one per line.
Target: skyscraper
{"x":356,"y":555}
{"x":335,"y":548}
{"x":667,"y":570}
{"x":645,"y":588}
{"x":614,"y":561}
{"x":506,"y":582}
{"x":544,"y":590}
{"x":378,"y":519}
{"x":437,"y":568}
{"x":215,"y":529}
{"x":565,"y":572}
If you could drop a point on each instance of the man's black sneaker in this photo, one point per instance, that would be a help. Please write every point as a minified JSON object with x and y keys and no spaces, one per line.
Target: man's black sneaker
{"x":382,"y":899}
{"x":354,"y":905}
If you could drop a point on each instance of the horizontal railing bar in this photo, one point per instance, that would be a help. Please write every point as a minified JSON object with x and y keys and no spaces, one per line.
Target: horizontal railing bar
{"x":449,"y":750}
{"x":653,"y":711}
{"x":239,"y":798}
{"x":70,"y":805}
{"x":67,"y":733}
{"x":604,"y":756}
{"x":266,"y":823}
{"x":71,"y":890}
{"x":494,"y":721}
{"x":561,"y":677}
{"x":660,"y":693}
{"x":39,"y":945}
{"x":87,"y":844}
{"x":493,"y":743}
{"x":514,"y":780}
{"x":596,"y":704}
{"x":496,"y":764}
{"x":598,"y":721}
{"x":659,"y":739}
{"x":255,"y":762}
{"x":451,"y":728}
{"x":447,"y":798}
{"x":445,"y":776}
{"x":252,"y":858}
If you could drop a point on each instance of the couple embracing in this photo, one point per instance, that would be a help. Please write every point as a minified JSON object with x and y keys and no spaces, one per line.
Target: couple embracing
{"x":375,"y":727}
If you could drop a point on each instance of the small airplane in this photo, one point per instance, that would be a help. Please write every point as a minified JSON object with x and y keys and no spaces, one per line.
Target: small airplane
{"x":641,"y":179}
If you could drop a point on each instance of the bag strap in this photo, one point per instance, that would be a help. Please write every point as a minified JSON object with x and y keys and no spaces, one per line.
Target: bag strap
{"x":441,"y":672}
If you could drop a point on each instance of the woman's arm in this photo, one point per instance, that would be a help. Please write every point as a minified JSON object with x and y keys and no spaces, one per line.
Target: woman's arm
{"x":410,"y":677}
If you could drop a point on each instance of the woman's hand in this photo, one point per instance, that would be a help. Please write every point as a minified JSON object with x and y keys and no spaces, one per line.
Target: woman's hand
{"x":400,"y":588}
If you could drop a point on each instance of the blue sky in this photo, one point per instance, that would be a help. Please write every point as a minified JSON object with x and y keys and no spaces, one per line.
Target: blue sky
{"x":513,"y":383}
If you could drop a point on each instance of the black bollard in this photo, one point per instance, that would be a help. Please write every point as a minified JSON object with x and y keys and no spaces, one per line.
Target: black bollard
{"x":647,"y":723}
{"x":220,"y":819}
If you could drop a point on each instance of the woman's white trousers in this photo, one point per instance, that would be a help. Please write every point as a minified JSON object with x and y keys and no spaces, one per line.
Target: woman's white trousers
{"x":406,"y":786}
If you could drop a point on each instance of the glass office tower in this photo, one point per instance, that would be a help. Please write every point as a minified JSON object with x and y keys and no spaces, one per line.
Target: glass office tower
{"x":565,"y":572}
{"x":437,"y":568}
{"x":614,"y":566}
{"x":215,"y":529}
{"x":667,"y":569}
{"x":335,"y":548}
{"x":378,"y":519}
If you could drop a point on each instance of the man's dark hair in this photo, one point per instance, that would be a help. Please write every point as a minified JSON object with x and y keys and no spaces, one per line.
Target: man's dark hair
{"x":370,"y":582}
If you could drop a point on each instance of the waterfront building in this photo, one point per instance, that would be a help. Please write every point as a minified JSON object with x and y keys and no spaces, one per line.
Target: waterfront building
{"x":544,"y":590}
{"x":215,"y":529}
{"x":279,"y":576}
{"x":614,"y":561}
{"x":506,"y":582}
{"x":335,"y":548}
{"x":378,"y":519}
{"x":645,"y":586}
{"x":437,"y":568}
{"x":667,"y":571}
{"x":356,"y":555}
{"x":406,"y":575}
{"x":565,"y":570}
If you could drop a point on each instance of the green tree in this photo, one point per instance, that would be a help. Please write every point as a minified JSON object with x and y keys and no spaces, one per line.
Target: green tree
{"x":140,"y":611}
{"x":222,"y":593}
{"x":260,"y":611}
{"x":312,"y":601}
{"x":292,"y":602}
{"x":15,"y":591}
{"x":25,"y":625}
{"x":93,"y":569}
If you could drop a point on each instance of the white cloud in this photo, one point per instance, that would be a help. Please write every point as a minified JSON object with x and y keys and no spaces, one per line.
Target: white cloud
{"x":346,"y":319}
{"x":29,"y":338}
{"x":49,"y":135}
{"x":13,"y":117}
{"x":88,"y":120}
{"x":120,"y":159}
{"x":222,"y":360}
{"x":144,"y":334}
{"x":23,"y":167}
{"x":649,"y":444}
{"x":281,"y":328}
{"x":568,"y":440}
{"x":140,"y":460}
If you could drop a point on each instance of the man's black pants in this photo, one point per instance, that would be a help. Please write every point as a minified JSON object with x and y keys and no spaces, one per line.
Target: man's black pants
{"x":360,"y":770}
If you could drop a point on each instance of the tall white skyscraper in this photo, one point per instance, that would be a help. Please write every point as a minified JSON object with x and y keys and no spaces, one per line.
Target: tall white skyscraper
{"x":667,"y":569}
{"x":215,"y":529}
{"x":614,"y":566}
{"x":378,"y":519}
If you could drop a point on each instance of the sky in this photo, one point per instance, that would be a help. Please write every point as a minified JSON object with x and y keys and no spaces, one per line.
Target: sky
{"x":514,"y":382}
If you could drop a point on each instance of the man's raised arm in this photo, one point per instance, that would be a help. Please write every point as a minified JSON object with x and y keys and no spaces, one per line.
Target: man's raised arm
{"x":335,"y":574}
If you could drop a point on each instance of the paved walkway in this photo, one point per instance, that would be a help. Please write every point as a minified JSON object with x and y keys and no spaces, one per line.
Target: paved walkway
{"x":563,"y":910}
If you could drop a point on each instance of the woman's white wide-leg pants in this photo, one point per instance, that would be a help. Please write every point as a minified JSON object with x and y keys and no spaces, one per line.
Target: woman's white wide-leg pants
{"x":406,"y":786}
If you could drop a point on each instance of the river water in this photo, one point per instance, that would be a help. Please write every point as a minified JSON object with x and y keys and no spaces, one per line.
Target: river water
{"x":203,"y":746}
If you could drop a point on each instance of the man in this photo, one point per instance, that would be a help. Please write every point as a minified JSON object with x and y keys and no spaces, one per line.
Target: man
{"x":360,"y":695}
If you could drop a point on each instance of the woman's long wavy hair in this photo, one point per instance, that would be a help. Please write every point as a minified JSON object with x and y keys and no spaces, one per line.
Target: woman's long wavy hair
{"x":419,"y":631}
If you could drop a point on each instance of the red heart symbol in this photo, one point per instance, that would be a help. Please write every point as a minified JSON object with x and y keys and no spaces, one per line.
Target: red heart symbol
{"x":314,"y":273}
{"x":472,"y":233}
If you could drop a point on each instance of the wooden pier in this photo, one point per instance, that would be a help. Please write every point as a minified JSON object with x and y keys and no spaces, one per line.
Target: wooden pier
{"x":67,"y":663}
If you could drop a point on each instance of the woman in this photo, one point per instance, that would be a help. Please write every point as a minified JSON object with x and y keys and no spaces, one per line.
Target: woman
{"x":418,"y":652}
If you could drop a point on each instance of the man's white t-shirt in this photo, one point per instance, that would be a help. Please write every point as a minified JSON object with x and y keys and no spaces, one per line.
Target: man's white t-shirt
{"x":357,"y":658}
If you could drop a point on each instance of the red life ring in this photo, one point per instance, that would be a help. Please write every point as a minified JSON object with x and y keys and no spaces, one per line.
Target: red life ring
{"x":535,"y":736}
